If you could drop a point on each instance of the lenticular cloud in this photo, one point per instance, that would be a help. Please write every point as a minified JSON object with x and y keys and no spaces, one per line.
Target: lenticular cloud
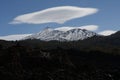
{"x":56,"y":14}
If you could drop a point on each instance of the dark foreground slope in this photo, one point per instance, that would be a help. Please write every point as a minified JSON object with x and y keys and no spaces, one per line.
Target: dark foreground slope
{"x":97,"y":58}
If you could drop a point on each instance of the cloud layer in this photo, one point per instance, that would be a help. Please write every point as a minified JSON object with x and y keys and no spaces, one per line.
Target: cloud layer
{"x":107,"y":32}
{"x":14,"y":37}
{"x":88,"y":27}
{"x":56,"y":14}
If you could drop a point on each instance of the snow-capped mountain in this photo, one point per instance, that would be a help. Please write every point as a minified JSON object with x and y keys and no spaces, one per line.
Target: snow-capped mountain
{"x":62,"y":34}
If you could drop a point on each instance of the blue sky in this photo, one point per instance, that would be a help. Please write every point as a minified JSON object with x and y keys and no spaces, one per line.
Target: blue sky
{"x":107,"y":18}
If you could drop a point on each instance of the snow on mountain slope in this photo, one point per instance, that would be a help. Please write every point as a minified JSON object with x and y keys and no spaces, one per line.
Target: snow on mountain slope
{"x":62,"y":34}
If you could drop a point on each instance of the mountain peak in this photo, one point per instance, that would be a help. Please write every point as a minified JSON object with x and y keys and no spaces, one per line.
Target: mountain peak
{"x":62,"y":34}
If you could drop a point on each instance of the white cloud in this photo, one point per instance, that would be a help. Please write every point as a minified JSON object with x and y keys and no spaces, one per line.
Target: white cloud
{"x":107,"y":32}
{"x":88,"y":27}
{"x":14,"y":37}
{"x":56,"y":14}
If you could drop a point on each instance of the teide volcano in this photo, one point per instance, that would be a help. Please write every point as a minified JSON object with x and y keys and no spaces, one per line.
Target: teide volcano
{"x":62,"y":34}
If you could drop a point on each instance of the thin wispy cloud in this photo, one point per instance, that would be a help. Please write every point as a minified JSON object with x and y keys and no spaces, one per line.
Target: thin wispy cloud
{"x":90,"y":27}
{"x":107,"y":32}
{"x":56,"y":14}
{"x":87,"y":27}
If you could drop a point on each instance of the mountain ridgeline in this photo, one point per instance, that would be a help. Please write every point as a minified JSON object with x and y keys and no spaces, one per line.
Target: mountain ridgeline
{"x":91,"y":58}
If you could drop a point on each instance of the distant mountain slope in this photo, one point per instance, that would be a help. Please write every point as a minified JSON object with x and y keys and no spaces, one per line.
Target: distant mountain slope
{"x":112,"y":40}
